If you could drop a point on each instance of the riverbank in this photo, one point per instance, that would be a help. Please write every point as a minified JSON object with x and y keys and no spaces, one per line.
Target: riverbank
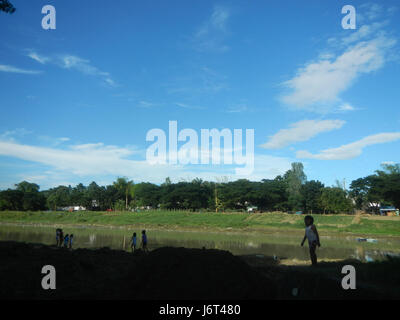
{"x":180,"y":273}
{"x":205,"y":221}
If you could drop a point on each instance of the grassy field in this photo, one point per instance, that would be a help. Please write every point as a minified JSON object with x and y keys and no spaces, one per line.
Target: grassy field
{"x":363,"y":225}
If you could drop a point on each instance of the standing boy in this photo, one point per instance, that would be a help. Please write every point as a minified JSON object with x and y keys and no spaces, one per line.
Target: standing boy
{"x":313,"y":238}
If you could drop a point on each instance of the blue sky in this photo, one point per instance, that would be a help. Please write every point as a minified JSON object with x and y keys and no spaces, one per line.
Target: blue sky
{"x":77,"y":102}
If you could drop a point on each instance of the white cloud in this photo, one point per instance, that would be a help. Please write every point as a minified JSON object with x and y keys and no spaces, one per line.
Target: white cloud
{"x":351,"y":150}
{"x":317,"y":86}
{"x":96,"y":161}
{"x":85,"y":159}
{"x":301,"y":131}
{"x":320,"y":83}
{"x":12,"y":69}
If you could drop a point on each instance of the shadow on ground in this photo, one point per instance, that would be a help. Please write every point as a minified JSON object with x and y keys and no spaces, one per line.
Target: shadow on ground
{"x":180,"y":273}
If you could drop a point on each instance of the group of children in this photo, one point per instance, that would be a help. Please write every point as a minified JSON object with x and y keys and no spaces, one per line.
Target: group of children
{"x":144,"y":241}
{"x":311,"y":234}
{"x":64,"y":241}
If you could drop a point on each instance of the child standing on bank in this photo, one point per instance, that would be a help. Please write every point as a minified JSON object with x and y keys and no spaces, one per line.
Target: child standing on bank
{"x":71,"y":239}
{"x":133,"y":244}
{"x":58,"y":231}
{"x":144,"y":241}
{"x":66,"y":239}
{"x":61,"y":238}
{"x":313,"y":238}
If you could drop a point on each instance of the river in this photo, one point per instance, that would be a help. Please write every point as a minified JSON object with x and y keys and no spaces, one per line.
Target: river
{"x":280,"y":244}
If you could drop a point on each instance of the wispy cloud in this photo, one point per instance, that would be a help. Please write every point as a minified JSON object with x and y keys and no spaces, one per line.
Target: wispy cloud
{"x":301,"y":131}
{"x":11,"y":135}
{"x":212,"y":33}
{"x":147,"y":104}
{"x":200,"y":80}
{"x":187,"y":106}
{"x":53,"y":141}
{"x":81,"y":65}
{"x":345,"y":107}
{"x":237,"y":108}
{"x":84,"y":66}
{"x":73,"y":62}
{"x":351,"y":150}
{"x":39,"y":58}
{"x":12,"y":69}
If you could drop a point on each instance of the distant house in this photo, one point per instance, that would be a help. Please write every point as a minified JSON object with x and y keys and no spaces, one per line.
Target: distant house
{"x":251,"y":209}
{"x":72,"y":208}
{"x":388,"y":211}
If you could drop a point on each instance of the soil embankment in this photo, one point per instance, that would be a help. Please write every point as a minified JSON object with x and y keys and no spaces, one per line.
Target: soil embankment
{"x":172,"y":273}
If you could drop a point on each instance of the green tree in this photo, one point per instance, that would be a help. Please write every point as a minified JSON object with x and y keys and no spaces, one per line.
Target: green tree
{"x":386,"y":184}
{"x":58,"y":197}
{"x":146,"y":194}
{"x":124,"y":188}
{"x":6,"y":6}
{"x":359,"y":191}
{"x":295,"y":178}
{"x":32,"y":199}
{"x":11,"y":199}
{"x":25,"y":186}
{"x":335,"y":200}
{"x":95,"y":197}
{"x":311,"y":192}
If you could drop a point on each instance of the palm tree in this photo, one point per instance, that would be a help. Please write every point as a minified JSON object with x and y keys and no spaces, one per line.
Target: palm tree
{"x":124,"y":187}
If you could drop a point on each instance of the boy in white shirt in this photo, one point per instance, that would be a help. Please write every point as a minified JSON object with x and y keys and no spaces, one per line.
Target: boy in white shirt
{"x":313,"y":238}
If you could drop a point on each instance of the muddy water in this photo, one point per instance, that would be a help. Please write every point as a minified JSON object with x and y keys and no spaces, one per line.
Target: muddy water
{"x":281,"y":244}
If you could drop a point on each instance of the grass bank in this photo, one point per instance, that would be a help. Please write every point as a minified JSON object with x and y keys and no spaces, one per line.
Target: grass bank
{"x":262,"y":222}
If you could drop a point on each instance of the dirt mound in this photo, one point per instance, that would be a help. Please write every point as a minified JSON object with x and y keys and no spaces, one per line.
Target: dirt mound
{"x":180,"y":273}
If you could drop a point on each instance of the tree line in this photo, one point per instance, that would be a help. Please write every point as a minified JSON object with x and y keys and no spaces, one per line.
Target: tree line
{"x":289,"y":192}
